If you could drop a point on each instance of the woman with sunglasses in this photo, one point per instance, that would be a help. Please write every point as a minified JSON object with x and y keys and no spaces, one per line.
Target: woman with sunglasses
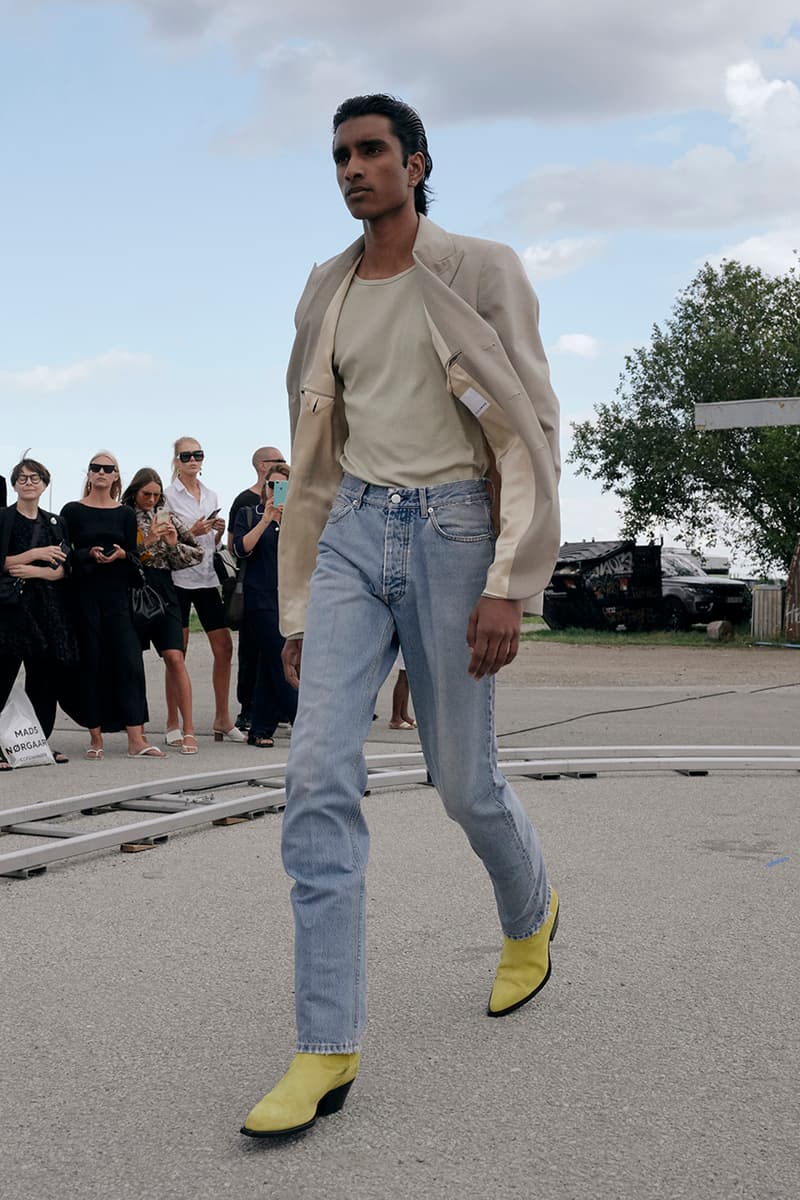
{"x":255,"y":539}
{"x":198,"y":507}
{"x":102,"y":533}
{"x":34,"y":628}
{"x":165,"y":545}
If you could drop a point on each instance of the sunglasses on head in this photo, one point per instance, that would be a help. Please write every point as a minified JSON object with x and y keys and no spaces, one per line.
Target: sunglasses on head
{"x":198,"y":455}
{"x":98,"y":467}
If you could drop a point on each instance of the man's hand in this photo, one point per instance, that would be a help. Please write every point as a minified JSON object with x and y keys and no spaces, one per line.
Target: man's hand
{"x":493,"y":635}
{"x":290,"y":657}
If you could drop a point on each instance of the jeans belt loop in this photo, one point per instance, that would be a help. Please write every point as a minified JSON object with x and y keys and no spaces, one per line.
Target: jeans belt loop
{"x":360,"y":496}
{"x":423,"y":501}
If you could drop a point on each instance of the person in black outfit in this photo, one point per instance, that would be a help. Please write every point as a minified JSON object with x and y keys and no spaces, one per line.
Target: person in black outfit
{"x":35,"y":630}
{"x":102,"y":533}
{"x":264,"y":460}
{"x":255,"y":538}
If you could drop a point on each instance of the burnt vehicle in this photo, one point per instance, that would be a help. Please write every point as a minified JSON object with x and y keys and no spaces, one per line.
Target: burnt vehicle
{"x":605,"y":585}
{"x":693,"y":597}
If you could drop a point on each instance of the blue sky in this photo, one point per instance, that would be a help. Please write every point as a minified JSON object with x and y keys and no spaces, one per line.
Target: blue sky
{"x":167,"y":184}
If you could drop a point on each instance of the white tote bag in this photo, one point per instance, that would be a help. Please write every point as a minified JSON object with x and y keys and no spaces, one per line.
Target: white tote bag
{"x":21,"y":739}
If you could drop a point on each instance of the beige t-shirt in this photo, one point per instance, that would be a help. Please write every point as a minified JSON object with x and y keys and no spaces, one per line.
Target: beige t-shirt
{"x":405,"y":428}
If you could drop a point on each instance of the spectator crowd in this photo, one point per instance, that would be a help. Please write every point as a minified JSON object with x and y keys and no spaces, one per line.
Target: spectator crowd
{"x":85,"y":591}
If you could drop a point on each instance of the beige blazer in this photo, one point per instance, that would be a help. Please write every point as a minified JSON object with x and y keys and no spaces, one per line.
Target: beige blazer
{"x":483,"y":317}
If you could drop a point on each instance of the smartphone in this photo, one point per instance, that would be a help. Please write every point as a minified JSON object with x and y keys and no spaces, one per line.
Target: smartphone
{"x":279,"y":492}
{"x":213,"y":515}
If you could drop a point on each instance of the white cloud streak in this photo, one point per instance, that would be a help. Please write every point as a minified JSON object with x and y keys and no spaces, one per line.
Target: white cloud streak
{"x":583,"y":345}
{"x":44,"y":380}
{"x":773,"y":252}
{"x":707,"y":187}
{"x":545,"y":260}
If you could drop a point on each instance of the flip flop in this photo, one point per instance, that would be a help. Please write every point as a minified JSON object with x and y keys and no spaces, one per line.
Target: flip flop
{"x":186,"y":747}
{"x":60,"y":758}
{"x":93,"y":753}
{"x":148,"y":752}
{"x":402,"y":725}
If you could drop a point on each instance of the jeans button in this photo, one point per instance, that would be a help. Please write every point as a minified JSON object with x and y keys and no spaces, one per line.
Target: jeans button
{"x":395,"y":498}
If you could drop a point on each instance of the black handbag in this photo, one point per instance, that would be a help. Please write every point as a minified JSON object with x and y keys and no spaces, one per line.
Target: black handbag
{"x":146,"y":603}
{"x":233,"y":601}
{"x":11,"y":589}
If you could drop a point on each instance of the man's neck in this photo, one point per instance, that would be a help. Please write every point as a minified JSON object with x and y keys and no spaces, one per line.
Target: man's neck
{"x":388,"y":244}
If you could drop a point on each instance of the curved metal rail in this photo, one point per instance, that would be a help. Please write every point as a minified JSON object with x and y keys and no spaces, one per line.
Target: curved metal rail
{"x":185,"y":801}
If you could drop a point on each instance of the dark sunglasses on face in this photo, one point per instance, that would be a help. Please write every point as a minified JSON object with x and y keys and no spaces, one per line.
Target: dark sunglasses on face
{"x":98,"y":467}
{"x":29,"y":478}
{"x":198,"y":455}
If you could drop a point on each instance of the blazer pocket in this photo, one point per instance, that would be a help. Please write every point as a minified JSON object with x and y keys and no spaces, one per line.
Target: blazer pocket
{"x":313,"y":402}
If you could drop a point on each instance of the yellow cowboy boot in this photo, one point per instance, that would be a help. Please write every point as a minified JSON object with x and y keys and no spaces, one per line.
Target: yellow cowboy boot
{"x":315,"y":1085}
{"x":524,"y":966}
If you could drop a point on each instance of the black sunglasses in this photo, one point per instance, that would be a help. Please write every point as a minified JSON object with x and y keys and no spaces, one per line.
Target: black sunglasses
{"x":98,"y":467}
{"x":198,"y":455}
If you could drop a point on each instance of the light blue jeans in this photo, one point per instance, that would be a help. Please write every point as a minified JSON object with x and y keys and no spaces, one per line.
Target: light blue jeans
{"x":394,"y":565}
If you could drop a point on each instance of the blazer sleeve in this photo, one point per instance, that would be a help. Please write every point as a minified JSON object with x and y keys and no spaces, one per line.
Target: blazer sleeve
{"x":508,"y":302}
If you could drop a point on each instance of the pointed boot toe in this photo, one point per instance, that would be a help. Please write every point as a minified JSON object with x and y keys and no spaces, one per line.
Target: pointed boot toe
{"x":524,"y":966}
{"x":315,"y":1085}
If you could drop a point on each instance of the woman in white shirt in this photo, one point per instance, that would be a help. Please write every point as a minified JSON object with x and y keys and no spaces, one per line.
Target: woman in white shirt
{"x":198,"y":507}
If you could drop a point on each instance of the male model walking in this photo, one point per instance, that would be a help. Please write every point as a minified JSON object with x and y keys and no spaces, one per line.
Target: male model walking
{"x":417,"y":376}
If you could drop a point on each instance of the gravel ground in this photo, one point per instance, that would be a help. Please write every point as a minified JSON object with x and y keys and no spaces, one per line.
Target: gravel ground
{"x":557,"y":664}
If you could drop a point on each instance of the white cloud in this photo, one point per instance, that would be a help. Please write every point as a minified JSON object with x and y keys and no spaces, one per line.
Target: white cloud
{"x":545,"y":260}
{"x":581,"y":344}
{"x":462,"y":60}
{"x":773,"y":252}
{"x":707,"y":187}
{"x":86,"y":371}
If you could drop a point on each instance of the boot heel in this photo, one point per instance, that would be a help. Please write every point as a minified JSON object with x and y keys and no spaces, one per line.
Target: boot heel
{"x":332,"y":1101}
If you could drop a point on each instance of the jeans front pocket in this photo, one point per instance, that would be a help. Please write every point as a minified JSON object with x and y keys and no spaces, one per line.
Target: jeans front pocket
{"x":340,"y":508}
{"x":464,"y":521}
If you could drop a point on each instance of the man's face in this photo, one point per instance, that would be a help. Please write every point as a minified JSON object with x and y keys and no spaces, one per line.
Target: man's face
{"x":267,"y":461}
{"x":370,"y":170}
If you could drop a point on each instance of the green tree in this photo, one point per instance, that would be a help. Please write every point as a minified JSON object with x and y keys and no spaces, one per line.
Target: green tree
{"x":734,"y":334}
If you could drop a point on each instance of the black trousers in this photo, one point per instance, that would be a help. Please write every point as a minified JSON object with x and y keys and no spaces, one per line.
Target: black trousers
{"x":274,"y":700}
{"x":247,"y":657}
{"x":41,"y":684}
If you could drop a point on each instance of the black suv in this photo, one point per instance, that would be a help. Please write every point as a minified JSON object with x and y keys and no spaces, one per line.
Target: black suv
{"x":692,"y":597}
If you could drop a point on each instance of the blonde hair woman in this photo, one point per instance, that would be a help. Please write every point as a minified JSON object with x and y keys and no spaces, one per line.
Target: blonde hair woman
{"x":102,"y":533}
{"x":198,"y":507}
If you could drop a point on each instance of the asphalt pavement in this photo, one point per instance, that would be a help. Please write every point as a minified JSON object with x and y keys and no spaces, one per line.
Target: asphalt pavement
{"x":146,"y":999}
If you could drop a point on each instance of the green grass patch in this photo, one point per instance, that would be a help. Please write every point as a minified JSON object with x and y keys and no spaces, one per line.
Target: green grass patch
{"x":658,"y":637}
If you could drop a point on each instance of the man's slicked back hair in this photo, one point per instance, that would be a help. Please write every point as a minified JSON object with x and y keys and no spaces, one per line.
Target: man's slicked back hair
{"x":406,"y":126}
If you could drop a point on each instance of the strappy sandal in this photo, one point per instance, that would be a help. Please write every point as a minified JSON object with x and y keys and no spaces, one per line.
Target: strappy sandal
{"x":186,"y":748}
{"x":263,"y":743}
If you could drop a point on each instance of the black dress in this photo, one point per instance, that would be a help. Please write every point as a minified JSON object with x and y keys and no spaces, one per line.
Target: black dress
{"x":36,"y":631}
{"x":111,"y":692}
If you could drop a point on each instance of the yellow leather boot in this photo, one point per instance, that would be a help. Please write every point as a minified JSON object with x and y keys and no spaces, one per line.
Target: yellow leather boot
{"x":524,"y":966}
{"x":314,"y":1086}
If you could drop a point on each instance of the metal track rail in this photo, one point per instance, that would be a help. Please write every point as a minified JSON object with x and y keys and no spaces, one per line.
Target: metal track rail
{"x":186,"y":801}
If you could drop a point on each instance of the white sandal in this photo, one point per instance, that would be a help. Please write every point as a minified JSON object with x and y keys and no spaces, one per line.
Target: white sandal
{"x":174,"y":737}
